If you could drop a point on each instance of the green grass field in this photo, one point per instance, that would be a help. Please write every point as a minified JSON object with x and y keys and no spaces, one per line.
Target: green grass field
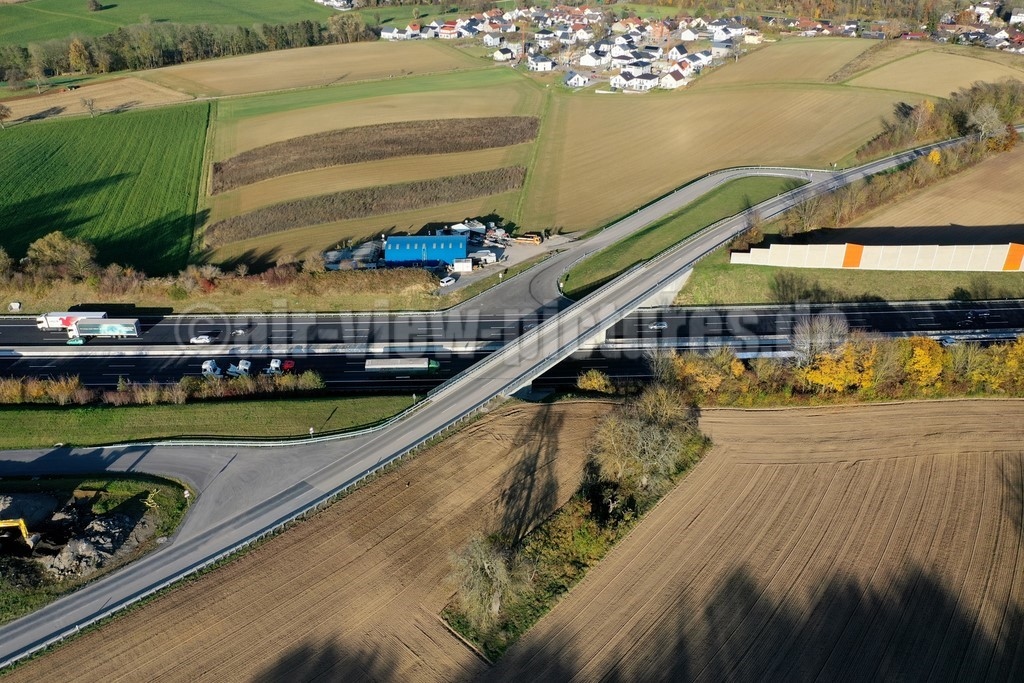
{"x":38,"y":427}
{"x":237,"y":109}
{"x":726,"y":201}
{"x":127,"y":182}
{"x":38,"y":20}
{"x":44,"y":19}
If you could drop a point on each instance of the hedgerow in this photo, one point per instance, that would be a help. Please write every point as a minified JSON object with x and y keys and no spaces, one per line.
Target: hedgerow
{"x":368,"y":201}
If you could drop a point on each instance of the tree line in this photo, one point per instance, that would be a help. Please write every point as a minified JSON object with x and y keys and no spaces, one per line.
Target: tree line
{"x":984,"y":109}
{"x":152,"y":45}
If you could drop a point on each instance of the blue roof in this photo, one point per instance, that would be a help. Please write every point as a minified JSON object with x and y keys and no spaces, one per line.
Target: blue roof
{"x":426,"y":248}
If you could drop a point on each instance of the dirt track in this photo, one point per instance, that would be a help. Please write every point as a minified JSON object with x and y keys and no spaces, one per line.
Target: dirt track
{"x":353,"y":594}
{"x":862,"y":543}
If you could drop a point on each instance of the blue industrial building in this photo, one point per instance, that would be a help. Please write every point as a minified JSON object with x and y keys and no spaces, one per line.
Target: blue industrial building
{"x":425,"y":249}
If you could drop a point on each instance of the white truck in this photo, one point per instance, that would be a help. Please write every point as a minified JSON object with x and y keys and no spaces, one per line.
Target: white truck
{"x":279,"y":367}
{"x":104,"y":327}
{"x":240,"y":370}
{"x":211,"y":369}
{"x":64,"y":321}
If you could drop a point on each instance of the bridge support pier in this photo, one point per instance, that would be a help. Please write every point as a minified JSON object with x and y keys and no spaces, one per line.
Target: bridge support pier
{"x":667,"y":294}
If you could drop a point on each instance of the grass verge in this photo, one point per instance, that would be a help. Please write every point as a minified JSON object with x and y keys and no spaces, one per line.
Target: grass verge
{"x":727,"y":200}
{"x":41,"y":427}
{"x":25,"y":587}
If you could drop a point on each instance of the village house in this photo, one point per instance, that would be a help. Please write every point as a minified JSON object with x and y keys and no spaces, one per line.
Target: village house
{"x":539,"y":63}
{"x":678,"y":52}
{"x":688,"y":35}
{"x":723,"y":49}
{"x":449,"y":31}
{"x":638,"y":67}
{"x":576,"y":80}
{"x":493,"y":39}
{"x":544,"y":39}
{"x":504,"y":55}
{"x":595,"y":59}
{"x":1016,"y":16}
{"x":654,"y":51}
{"x":627,"y":81}
{"x":672,"y":80}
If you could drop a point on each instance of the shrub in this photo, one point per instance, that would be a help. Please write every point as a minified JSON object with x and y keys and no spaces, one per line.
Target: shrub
{"x":595,"y":380}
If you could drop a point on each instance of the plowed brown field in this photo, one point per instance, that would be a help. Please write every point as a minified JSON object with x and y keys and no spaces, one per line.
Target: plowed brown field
{"x":856,"y":543}
{"x":353,"y":594}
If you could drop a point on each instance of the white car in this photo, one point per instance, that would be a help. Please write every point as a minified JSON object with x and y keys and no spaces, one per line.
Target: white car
{"x":660,"y":325}
{"x":447,"y":281}
{"x":201,"y":339}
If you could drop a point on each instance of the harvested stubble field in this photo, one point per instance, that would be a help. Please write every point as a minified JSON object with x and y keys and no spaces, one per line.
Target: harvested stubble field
{"x":341,"y":178}
{"x":792,"y":60}
{"x":369,"y":201}
{"x":355,"y":593}
{"x":353,"y":145}
{"x":311,"y":66}
{"x":935,"y":73}
{"x":854,"y":543}
{"x":988,"y":194}
{"x":573,"y":186}
{"x":115,"y":95}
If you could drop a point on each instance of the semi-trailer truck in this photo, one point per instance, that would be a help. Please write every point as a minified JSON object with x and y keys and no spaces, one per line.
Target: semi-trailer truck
{"x":107,"y":327}
{"x":63,"y":321}
{"x":401,"y":365}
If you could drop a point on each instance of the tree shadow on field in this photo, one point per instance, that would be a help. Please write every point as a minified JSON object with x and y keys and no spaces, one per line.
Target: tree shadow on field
{"x":256,"y":260}
{"x":529,"y":490}
{"x":331,"y":661}
{"x":26,"y":221}
{"x":912,"y":628}
{"x":124,"y":106}
{"x":43,"y":114}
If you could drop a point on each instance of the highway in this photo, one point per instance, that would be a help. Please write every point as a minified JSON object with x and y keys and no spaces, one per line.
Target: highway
{"x":748,"y":329}
{"x":245,"y":492}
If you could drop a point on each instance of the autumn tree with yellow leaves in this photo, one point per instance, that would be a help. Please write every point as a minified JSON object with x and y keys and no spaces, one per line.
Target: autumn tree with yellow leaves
{"x":851,"y":366}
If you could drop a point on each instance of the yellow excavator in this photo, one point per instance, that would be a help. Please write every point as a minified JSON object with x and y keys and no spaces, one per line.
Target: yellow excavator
{"x":19,"y":525}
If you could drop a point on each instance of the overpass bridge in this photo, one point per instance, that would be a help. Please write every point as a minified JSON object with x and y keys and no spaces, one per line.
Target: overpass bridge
{"x":249,"y":492}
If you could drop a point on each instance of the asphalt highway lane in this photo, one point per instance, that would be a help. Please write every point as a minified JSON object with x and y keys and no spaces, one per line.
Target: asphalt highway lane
{"x":748,"y":327}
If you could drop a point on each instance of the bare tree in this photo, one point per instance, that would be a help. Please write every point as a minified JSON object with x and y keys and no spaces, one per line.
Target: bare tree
{"x":89,"y":105}
{"x":39,"y":77}
{"x":986,"y":120}
{"x":483,"y":579}
{"x":660,"y":363}
{"x":818,"y":334}
{"x":5,"y":113}
{"x":805,"y":215}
